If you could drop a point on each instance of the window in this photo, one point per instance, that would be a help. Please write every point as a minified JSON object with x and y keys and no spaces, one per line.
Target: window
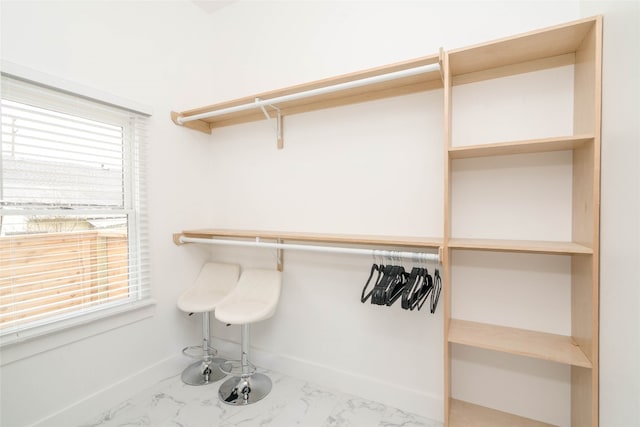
{"x":73,"y":235}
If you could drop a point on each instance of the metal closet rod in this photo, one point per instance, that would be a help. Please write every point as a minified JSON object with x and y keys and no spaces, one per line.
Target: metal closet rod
{"x":414,"y":256}
{"x":261,"y":103}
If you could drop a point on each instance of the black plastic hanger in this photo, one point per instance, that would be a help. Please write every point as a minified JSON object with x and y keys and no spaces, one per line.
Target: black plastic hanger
{"x":423,"y":290}
{"x":412,"y":281}
{"x":435,"y":294}
{"x":396,"y":287}
{"x":364,"y":297}
{"x":388,"y":274}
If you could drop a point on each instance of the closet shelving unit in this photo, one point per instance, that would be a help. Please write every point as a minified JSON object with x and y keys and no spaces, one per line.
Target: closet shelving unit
{"x":577,"y":43}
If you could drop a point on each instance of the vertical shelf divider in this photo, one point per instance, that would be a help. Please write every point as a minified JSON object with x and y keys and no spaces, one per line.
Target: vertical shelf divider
{"x":446,"y":252}
{"x":586,"y":226}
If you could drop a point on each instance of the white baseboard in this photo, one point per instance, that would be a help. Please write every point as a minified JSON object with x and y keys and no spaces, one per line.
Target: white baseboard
{"x":105,"y":399}
{"x":409,"y":400}
{"x":394,"y":395}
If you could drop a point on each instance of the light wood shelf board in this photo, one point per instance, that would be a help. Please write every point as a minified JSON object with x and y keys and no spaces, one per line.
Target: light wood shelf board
{"x":355,"y":239}
{"x":198,"y":125}
{"x":530,"y":246}
{"x":531,"y":46}
{"x":522,"y":342}
{"x":465,"y":414}
{"x":520,"y":147}
{"x":397,"y":87}
{"x":513,"y":69}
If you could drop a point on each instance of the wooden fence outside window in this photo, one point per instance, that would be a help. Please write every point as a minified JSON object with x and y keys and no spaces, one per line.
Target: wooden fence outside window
{"x":50,"y":273}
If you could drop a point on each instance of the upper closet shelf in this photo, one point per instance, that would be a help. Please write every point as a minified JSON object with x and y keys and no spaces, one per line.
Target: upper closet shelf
{"x":402,"y":78}
{"x":536,"y":50}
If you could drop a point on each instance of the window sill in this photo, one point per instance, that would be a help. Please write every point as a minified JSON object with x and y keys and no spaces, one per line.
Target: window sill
{"x":17,"y":346}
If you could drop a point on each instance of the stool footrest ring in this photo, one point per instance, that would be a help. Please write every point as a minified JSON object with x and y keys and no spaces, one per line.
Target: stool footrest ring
{"x":196,"y":352}
{"x":235,"y":368}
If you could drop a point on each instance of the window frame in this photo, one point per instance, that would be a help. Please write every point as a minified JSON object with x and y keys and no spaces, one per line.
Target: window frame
{"x":110,"y":315}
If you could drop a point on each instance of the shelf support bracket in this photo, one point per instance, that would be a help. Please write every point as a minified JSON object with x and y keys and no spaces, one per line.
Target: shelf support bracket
{"x":441,"y":55}
{"x":278,"y":120}
{"x":280,"y":256}
{"x":279,"y":253}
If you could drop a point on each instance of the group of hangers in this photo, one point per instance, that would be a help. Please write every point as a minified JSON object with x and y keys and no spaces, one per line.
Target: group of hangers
{"x":393,"y":283}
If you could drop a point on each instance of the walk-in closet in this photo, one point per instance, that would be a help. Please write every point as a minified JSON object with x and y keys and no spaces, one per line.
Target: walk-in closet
{"x":352,"y":213}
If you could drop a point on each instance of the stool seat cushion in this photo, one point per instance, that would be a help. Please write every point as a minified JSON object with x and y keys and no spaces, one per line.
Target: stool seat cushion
{"x":214,"y":283}
{"x":254,"y":299}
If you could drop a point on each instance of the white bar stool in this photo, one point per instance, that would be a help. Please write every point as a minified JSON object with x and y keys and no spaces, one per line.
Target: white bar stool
{"x":254,"y":299}
{"x":213,"y":284}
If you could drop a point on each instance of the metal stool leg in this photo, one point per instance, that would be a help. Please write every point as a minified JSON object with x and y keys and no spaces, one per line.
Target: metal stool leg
{"x":205,"y":371}
{"x":247,"y":386}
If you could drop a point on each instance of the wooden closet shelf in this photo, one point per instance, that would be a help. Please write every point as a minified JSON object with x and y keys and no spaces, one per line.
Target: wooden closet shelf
{"x":354,"y":239}
{"x":533,"y":50}
{"x":399,"y":86}
{"x":522,"y":342}
{"x":520,"y":147}
{"x":465,"y":414}
{"x":530,"y":246}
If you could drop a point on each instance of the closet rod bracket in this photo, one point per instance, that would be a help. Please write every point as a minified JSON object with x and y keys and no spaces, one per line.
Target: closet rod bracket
{"x":280,"y":255}
{"x":278,"y":120}
{"x":279,"y":252}
{"x":198,"y":125}
{"x":177,"y":239}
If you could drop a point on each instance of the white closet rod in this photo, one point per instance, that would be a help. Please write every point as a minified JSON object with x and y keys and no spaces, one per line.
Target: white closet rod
{"x":260,"y":103}
{"x":414,"y":256}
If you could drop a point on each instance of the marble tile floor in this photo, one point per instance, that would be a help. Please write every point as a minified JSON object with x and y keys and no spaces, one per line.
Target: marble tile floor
{"x":292,"y":402}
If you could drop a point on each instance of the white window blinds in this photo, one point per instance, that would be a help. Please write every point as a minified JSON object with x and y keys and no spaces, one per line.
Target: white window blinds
{"x":73,"y":233}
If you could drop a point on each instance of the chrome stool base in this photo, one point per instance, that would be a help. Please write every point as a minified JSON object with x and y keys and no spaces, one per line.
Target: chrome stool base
{"x":207,"y":369}
{"x":202,"y":373}
{"x":239,"y":391}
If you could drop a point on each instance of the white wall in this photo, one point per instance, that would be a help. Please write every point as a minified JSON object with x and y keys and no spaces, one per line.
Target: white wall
{"x":330,"y":177}
{"x":620,"y":213}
